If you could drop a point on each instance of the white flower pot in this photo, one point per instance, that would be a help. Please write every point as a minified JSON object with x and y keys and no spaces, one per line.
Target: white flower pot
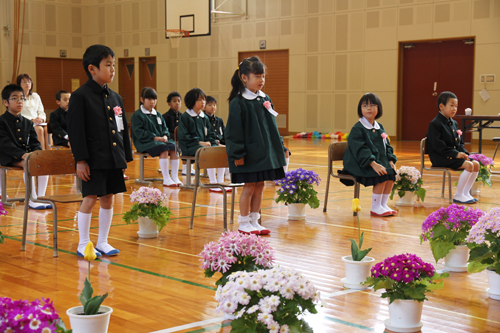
{"x":456,"y":259}
{"x":147,"y":228}
{"x":296,"y":211}
{"x":494,"y":281}
{"x":84,"y":324}
{"x":356,"y":272}
{"x":476,"y":188}
{"x":406,"y":200}
{"x":404,"y":316}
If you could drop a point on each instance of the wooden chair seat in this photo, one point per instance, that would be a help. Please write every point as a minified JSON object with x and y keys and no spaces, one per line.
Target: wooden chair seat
{"x":8,"y":202}
{"x":50,"y":163}
{"x":336,"y":152}
{"x":63,"y":198}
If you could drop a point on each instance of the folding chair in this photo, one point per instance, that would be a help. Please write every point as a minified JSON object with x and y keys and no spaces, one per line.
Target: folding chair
{"x":497,"y":140}
{"x":206,"y":158}
{"x":48,"y":162}
{"x":336,"y":152}
{"x":188,"y":159}
{"x":11,"y":202}
{"x":142,"y":180}
{"x":446,"y":171}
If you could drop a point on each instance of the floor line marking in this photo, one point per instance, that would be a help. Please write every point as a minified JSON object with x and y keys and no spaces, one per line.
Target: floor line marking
{"x":191,"y":325}
{"x":342,"y":292}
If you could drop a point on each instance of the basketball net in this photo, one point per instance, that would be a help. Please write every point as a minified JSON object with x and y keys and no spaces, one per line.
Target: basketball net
{"x":175,"y":36}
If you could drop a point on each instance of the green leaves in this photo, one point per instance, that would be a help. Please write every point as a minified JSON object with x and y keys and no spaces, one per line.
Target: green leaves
{"x":304,"y":193}
{"x":1,"y":238}
{"x":356,"y":253}
{"x":405,"y":185}
{"x":444,"y":240}
{"x":90,"y":304}
{"x":421,"y":193}
{"x":158,"y":213}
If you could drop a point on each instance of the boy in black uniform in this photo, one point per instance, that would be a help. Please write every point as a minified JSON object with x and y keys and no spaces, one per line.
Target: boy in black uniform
{"x":172,"y":117}
{"x":98,"y":132}
{"x":58,"y":119}
{"x":217,"y":123}
{"x":18,"y":138}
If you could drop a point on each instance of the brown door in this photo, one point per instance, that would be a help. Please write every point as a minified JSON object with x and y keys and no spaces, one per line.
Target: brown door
{"x":147,"y":72}
{"x":54,"y":74}
{"x":276,"y":85}
{"x":126,"y":84}
{"x":430,"y":68}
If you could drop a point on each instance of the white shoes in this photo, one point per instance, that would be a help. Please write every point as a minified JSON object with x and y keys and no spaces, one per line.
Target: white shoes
{"x":255,"y":223}
{"x":246,"y":226}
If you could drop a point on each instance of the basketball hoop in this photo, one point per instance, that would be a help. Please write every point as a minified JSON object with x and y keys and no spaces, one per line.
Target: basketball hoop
{"x":175,"y":36}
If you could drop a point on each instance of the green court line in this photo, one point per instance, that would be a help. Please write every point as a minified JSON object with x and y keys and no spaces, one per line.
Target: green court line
{"x":210,"y":328}
{"x":340,"y":321}
{"x":120,"y":265}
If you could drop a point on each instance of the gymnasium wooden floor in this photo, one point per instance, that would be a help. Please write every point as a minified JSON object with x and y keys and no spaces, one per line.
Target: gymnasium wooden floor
{"x":156,"y":285}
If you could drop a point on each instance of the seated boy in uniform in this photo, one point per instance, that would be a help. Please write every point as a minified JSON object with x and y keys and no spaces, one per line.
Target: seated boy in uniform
{"x":18,"y":138}
{"x":57,"y":121}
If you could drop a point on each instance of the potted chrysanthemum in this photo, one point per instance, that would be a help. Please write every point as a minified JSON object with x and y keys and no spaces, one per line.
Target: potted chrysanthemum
{"x":483,"y":177}
{"x":149,"y":210}
{"x":406,"y":279}
{"x":484,"y":242}
{"x":297,"y":190}
{"x":25,"y":316}
{"x":235,"y":252}
{"x":271,"y":300}
{"x":446,"y":230}
{"x":408,"y":183}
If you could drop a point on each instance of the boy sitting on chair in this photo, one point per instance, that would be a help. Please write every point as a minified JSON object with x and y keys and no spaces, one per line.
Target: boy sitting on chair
{"x":58,"y":120}
{"x":18,"y":138}
{"x":100,"y":143}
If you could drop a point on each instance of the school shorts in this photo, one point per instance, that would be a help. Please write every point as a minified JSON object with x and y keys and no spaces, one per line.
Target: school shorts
{"x":103,"y":182}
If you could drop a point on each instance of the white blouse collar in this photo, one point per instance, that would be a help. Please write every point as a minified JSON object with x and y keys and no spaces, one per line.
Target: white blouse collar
{"x":153,"y":112}
{"x":192,"y":113}
{"x":366,"y":124}
{"x":247,"y":94}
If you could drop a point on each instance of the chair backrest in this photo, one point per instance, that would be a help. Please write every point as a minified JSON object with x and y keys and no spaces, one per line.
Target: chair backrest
{"x":211,"y":157}
{"x":336,"y":151}
{"x":50,"y":162}
{"x":422,"y":152}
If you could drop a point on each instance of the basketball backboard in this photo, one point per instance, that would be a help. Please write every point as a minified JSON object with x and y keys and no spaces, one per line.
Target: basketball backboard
{"x":189,"y":15}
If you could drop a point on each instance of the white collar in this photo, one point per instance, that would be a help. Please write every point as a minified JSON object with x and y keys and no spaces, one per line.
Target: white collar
{"x":194,"y":114}
{"x":247,"y":94}
{"x":367,"y":124}
{"x":153,"y":112}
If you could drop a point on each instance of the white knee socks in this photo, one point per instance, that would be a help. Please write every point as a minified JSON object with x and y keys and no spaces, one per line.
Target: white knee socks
{"x":211,"y":176}
{"x":286,"y":165}
{"x":42,"y":185}
{"x":174,"y":168}
{"x":33,"y":193}
{"x":164,"y":171}
{"x":220,"y":175}
{"x":83,"y":231}
{"x":105,"y":218}
{"x":385,"y":198}
{"x":461,"y":187}
{"x":469,"y":184}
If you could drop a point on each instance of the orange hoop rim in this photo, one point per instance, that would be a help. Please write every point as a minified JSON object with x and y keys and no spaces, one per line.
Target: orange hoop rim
{"x":179,"y":32}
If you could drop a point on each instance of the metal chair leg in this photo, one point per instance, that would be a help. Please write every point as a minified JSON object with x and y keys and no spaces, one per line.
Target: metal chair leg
{"x":444,"y":183}
{"x":194,"y":206}
{"x":54,"y":229}
{"x":224,"y":206}
{"x":26,"y":203}
{"x":449,"y":187}
{"x":233,"y":195}
{"x":493,"y":158}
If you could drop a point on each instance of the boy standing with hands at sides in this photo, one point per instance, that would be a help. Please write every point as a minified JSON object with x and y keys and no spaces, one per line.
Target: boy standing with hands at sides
{"x":58,"y":119}
{"x":446,"y":149}
{"x":18,"y":138}
{"x":100,"y":144}
{"x":172,"y":118}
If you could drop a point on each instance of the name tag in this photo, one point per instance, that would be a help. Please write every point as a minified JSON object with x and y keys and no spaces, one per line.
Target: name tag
{"x":220,"y":128}
{"x":206,"y":132}
{"x":119,"y":123}
{"x":159,"y":120}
